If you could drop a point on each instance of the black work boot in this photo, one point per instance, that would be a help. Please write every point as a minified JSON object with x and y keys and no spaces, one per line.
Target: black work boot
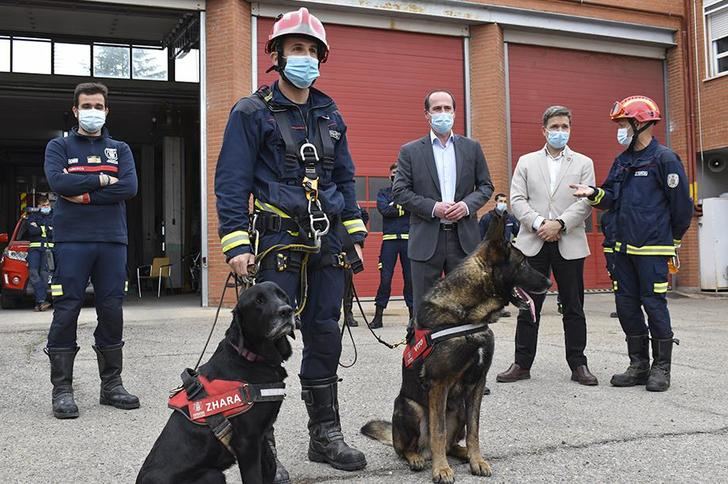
{"x":638,"y":348}
{"x":281,"y":476}
{"x":326,"y":442}
{"x":62,"y":379}
{"x":348,"y":315}
{"x":112,"y":390}
{"x":377,"y":321}
{"x":659,"y":379}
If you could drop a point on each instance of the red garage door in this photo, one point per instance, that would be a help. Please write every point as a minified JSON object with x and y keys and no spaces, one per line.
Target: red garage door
{"x":588,"y":83}
{"x":379,"y":79}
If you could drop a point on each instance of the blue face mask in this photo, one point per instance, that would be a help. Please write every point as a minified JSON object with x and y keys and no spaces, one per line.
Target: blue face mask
{"x":45,"y":210}
{"x":623,"y":137}
{"x":301,"y":70}
{"x":91,"y":120}
{"x":558,"y":139}
{"x":501,"y":207}
{"x":441,"y":122}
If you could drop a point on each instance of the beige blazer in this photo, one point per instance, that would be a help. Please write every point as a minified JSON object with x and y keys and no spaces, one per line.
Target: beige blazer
{"x":531,"y":196}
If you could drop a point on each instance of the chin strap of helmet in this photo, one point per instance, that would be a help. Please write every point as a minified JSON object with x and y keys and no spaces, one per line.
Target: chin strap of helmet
{"x":636,"y":132}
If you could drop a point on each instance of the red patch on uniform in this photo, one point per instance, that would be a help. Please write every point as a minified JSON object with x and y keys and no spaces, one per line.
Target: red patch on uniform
{"x":92,"y":169}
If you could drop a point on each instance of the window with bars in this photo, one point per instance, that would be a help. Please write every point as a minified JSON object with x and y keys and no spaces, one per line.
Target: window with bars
{"x":367,"y":188}
{"x":716,"y":35}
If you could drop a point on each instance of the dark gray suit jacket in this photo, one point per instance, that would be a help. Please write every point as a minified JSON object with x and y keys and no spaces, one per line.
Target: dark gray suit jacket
{"x":417,"y":188}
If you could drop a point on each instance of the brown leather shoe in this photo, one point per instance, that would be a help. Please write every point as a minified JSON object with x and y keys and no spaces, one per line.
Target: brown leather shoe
{"x":582,"y":375}
{"x":513,"y":374}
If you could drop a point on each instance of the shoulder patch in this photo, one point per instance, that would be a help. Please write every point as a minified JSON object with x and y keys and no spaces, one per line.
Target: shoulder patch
{"x":673,"y":179}
{"x":335,"y":134}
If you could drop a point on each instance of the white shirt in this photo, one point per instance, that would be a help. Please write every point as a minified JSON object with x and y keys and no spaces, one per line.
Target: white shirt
{"x":554,"y":163}
{"x":446,"y":167}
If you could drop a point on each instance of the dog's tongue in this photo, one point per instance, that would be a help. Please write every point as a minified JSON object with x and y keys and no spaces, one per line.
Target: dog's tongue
{"x":531,"y":305}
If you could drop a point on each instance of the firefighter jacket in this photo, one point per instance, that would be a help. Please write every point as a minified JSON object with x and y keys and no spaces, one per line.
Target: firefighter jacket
{"x":606,"y":223}
{"x":253,"y":160}
{"x":72,"y":167}
{"x":649,"y":194}
{"x":40,"y":229}
{"x":512,"y":226}
{"x":395,"y":219}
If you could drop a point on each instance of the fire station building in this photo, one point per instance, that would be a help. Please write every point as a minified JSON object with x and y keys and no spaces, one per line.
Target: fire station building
{"x":175,"y":68}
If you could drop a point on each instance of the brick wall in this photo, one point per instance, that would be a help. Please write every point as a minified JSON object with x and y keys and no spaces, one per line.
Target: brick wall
{"x":488,"y":100}
{"x":713,"y":98}
{"x":228,"y":79}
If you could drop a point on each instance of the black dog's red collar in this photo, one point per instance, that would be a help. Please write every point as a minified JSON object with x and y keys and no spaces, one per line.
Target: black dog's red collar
{"x":248,"y":355}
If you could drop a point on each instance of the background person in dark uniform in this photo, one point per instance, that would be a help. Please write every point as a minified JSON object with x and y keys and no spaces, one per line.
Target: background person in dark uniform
{"x":40,"y":235}
{"x":501,"y":207}
{"x":395,"y":228}
{"x":295,"y":194}
{"x":93,"y":175}
{"x":607,"y":226}
{"x":348,"y":303}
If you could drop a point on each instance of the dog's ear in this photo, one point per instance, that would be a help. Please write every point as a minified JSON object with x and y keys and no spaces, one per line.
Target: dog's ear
{"x":496,"y":228}
{"x":496,"y":252}
{"x":234,"y":333}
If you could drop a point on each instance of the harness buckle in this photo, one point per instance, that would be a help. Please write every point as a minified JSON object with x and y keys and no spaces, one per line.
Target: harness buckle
{"x":318,"y":220}
{"x":309,"y":149}
{"x":281,"y":262}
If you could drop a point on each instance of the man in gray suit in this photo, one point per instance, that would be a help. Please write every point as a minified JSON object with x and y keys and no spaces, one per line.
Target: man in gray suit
{"x":442,"y":180}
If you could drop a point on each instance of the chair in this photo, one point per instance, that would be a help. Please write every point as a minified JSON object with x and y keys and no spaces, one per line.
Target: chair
{"x":160,"y":268}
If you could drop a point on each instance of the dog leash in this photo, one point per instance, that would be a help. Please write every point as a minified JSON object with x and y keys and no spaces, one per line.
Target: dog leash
{"x":345,"y":325}
{"x":245,"y":283}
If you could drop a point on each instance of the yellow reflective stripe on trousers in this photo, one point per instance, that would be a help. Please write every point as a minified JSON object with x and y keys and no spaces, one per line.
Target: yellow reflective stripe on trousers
{"x":597,"y":199}
{"x":608,"y":250}
{"x":615,"y":286}
{"x":33,"y":245}
{"x":395,"y":237}
{"x":234,"y":239}
{"x":659,"y":287}
{"x":267,"y":207}
{"x":355,"y":225}
{"x":667,"y":250}
{"x":56,"y":290}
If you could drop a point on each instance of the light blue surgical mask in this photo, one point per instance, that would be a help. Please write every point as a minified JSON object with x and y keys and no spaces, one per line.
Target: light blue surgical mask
{"x":558,"y":139}
{"x":441,"y":122}
{"x":91,"y":120}
{"x":501,"y":207}
{"x":301,"y":70}
{"x":45,"y":210}
{"x":623,"y":137}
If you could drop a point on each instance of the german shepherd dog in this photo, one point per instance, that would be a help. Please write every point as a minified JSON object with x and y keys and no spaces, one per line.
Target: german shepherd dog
{"x":441,"y":394}
{"x":186,"y":452}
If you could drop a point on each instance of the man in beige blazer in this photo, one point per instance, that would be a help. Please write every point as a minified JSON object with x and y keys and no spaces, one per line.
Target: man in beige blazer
{"x":553,"y":237}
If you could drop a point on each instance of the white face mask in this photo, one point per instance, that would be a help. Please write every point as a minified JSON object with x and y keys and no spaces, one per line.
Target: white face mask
{"x":623,"y":136}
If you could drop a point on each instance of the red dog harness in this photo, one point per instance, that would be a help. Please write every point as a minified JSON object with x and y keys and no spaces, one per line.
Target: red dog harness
{"x":213,"y":402}
{"x":424,"y":340}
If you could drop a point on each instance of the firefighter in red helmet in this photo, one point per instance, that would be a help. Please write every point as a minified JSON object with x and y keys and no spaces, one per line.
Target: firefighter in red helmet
{"x":286,"y":145}
{"x":647,"y":191}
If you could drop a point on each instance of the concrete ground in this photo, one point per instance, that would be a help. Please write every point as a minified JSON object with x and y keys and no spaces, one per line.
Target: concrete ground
{"x":547,"y":429}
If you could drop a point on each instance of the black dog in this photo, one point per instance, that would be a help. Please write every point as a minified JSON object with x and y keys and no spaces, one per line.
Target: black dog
{"x":253,"y":349}
{"x":441,"y":393}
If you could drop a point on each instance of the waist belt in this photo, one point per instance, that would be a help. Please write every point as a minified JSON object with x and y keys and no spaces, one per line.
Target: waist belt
{"x":272,"y":222}
{"x":36,"y":245}
{"x":449,"y":226}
